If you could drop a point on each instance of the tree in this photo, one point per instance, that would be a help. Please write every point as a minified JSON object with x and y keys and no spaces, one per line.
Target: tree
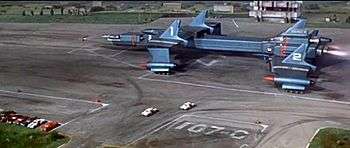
{"x":24,"y":13}
{"x":62,"y":9}
{"x":32,"y":12}
{"x":41,"y":12}
{"x":347,"y":19}
{"x":52,"y":12}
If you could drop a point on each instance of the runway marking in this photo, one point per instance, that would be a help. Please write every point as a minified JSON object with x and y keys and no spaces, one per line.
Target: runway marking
{"x":119,"y":53}
{"x":313,"y":136}
{"x":264,"y":126}
{"x":107,"y":57}
{"x":103,"y":105}
{"x":191,"y":115}
{"x":157,"y":129}
{"x":143,"y":77}
{"x":207,"y":64}
{"x":51,"y":97}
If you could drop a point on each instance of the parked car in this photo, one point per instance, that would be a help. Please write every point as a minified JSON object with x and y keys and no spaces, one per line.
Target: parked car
{"x":36,"y":123}
{"x":187,"y":106}
{"x":49,"y":125}
{"x":11,"y":118}
{"x":20,"y":119}
{"x":149,"y":111}
{"x":28,"y":121}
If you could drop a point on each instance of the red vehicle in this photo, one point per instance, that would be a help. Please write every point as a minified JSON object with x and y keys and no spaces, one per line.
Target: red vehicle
{"x":11,"y":118}
{"x":21,"y":119}
{"x":48,"y":126}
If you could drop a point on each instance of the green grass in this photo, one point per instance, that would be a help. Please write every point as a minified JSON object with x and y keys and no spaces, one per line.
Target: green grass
{"x":331,"y":138}
{"x":15,"y":136}
{"x":99,"y":18}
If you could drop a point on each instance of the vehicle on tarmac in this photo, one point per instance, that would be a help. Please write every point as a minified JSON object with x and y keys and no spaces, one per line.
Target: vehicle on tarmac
{"x":20,"y":119}
{"x":49,"y":125}
{"x":29,"y":120}
{"x":149,"y":111}
{"x":187,"y":105}
{"x":11,"y":118}
{"x":36,"y":123}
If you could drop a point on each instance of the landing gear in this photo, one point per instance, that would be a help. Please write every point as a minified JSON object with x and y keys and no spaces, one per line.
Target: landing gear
{"x":163,"y":72}
{"x":294,"y":91}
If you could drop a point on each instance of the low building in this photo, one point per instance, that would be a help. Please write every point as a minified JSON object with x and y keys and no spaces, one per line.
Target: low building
{"x":96,"y":3}
{"x":223,"y":8}
{"x":278,"y":11}
{"x":172,"y":6}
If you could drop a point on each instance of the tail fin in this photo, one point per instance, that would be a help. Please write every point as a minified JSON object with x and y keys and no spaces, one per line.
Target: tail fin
{"x":172,"y":32}
{"x":298,"y":57}
{"x":199,"y":21}
{"x":298,"y":29}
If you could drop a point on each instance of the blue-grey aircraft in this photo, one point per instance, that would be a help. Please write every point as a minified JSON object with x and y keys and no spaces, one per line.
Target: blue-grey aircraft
{"x":289,"y":54}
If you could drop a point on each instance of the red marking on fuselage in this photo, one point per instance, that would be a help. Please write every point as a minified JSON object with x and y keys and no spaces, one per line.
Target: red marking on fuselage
{"x":283,"y":49}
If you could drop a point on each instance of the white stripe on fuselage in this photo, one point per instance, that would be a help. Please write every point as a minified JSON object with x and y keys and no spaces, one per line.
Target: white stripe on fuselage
{"x":166,"y":42}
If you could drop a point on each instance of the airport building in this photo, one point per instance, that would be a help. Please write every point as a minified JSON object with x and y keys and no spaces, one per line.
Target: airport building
{"x":276,"y":11}
{"x":223,"y":8}
{"x":172,"y":6}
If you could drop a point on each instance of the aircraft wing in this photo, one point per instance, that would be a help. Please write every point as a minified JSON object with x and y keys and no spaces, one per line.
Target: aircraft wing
{"x":291,"y":71}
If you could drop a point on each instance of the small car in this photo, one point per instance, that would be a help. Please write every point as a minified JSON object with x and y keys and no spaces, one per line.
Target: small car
{"x":36,"y":123}
{"x":49,"y":125}
{"x":20,"y":119}
{"x":187,"y":106}
{"x":149,"y":111}
{"x":11,"y":118}
{"x":29,"y":120}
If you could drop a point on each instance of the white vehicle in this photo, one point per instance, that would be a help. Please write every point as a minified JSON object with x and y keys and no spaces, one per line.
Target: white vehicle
{"x":36,"y":123}
{"x":187,"y":106}
{"x":149,"y":111}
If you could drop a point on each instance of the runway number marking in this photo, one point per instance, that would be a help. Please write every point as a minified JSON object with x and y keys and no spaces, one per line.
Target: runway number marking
{"x":211,"y":129}
{"x":240,"y":132}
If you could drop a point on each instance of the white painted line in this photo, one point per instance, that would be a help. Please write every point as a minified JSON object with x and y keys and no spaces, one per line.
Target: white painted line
{"x":50,"y":97}
{"x":157,"y":129}
{"x":264,"y":127}
{"x":144,"y":75}
{"x":308,"y":144}
{"x":107,"y":57}
{"x":118,"y":53}
{"x":244,"y":90}
{"x":209,"y":86}
{"x":64,"y":124}
{"x":126,"y":63}
{"x":207,"y":64}
{"x":94,"y":110}
{"x":229,"y":120}
{"x":103,"y":105}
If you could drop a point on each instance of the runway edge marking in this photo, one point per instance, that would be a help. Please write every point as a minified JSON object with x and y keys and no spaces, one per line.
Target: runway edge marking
{"x":51,"y":97}
{"x":143,"y":77}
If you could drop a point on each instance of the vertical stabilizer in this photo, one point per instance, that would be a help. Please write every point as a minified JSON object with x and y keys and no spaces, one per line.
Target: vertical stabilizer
{"x":298,"y":29}
{"x":298,"y":56}
{"x":171,"y":33}
{"x":199,"y":21}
